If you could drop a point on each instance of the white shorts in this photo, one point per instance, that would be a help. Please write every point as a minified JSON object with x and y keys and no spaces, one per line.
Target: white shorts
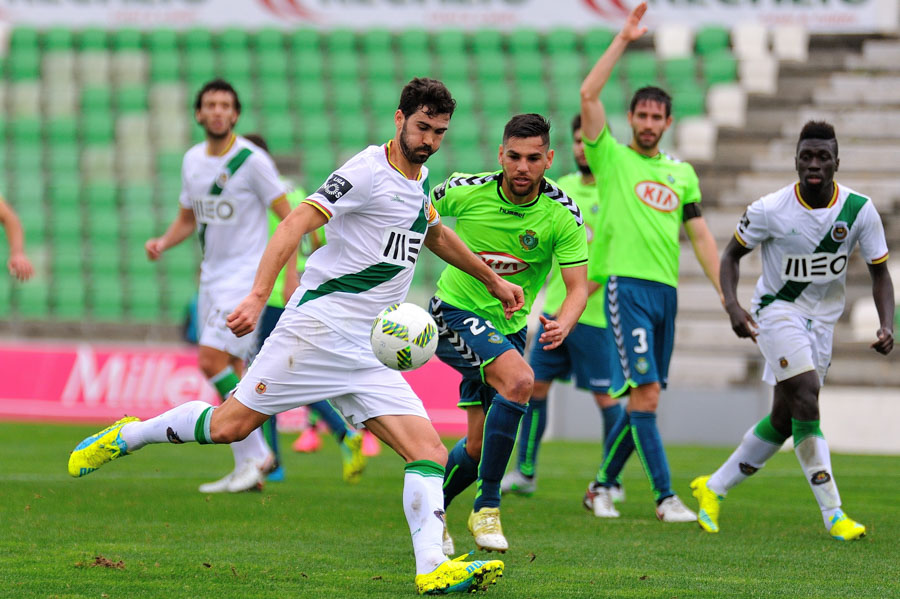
{"x":793,"y":344}
{"x":212,"y":310}
{"x":304,"y":361}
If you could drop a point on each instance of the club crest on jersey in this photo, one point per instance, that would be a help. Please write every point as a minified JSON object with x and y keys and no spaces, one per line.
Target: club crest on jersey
{"x":222,"y":179}
{"x":783,"y":362}
{"x":261,"y":387}
{"x":657,"y":195}
{"x":503,"y":264}
{"x":839,"y":231}
{"x":528,"y":240}
{"x":642,"y":366}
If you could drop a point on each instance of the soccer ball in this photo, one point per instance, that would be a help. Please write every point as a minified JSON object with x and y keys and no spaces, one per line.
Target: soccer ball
{"x":404,"y":336}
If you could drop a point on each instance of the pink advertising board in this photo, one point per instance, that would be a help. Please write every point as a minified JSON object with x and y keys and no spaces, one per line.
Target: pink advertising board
{"x":95,"y":383}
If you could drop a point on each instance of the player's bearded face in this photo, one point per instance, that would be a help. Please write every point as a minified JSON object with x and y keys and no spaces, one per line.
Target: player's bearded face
{"x":648,"y":123}
{"x":524,"y":161}
{"x":578,"y":151}
{"x":816,"y":163}
{"x":217,"y":114}
{"x":421,"y":135}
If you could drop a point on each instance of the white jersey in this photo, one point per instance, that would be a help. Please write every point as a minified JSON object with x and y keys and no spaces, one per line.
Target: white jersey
{"x":805,"y":250}
{"x":230,"y":195}
{"x":377,"y":220}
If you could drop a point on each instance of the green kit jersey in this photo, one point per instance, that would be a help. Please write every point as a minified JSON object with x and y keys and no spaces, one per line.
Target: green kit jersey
{"x":643,"y":201}
{"x":518,"y":242}
{"x":585,"y":195}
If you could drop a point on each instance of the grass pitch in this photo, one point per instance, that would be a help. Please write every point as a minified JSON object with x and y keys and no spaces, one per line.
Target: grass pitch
{"x":138,"y":528}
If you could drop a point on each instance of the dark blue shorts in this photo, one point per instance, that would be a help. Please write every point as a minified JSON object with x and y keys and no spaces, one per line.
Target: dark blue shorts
{"x":641,"y":316}
{"x":468,"y":343}
{"x":584,"y":355}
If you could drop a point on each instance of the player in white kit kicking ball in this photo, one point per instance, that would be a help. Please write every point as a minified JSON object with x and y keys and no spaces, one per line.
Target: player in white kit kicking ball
{"x":377,"y":216}
{"x":228,"y":184}
{"x":806,"y":231}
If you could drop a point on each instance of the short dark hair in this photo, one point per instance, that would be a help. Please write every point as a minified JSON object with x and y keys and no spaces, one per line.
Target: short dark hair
{"x":257,"y":140}
{"x":818,"y":130}
{"x":430,"y":95}
{"x":528,"y":125}
{"x":217,"y":85}
{"x":576,"y":123}
{"x":652,"y":94}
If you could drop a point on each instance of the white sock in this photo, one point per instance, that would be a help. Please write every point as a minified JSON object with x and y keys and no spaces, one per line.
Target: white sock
{"x":751,"y":455}
{"x":178,"y":425}
{"x":254,"y":447}
{"x":815,"y":458}
{"x":423,"y":504}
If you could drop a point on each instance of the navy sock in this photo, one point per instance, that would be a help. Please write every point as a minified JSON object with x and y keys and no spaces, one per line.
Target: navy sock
{"x":500,"y":426}
{"x":530,"y":433}
{"x":617,"y":448}
{"x":611,"y":415}
{"x":653,"y":456}
{"x":332,"y":418}
{"x":461,"y":471}
{"x":270,"y":432}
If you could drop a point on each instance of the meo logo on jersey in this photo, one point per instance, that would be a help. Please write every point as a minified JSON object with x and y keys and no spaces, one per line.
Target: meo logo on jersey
{"x":503,"y":264}
{"x":813,"y":268}
{"x":335,"y":188}
{"x":401,"y":246}
{"x":657,"y":196}
{"x":213,"y":210}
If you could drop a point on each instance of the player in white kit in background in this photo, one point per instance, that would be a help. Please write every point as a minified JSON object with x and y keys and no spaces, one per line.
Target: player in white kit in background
{"x":806,"y":231}
{"x":228,"y":184}
{"x":377,"y":217}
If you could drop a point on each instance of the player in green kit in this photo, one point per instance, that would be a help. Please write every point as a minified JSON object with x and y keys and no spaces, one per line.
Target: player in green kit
{"x":585,"y":353}
{"x":646,"y":195}
{"x":519,"y":224}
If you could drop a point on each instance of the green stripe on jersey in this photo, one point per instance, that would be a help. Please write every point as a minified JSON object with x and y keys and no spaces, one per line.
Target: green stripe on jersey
{"x":791,"y":290}
{"x":233,"y":165}
{"x":425,"y":468}
{"x":356,"y":282}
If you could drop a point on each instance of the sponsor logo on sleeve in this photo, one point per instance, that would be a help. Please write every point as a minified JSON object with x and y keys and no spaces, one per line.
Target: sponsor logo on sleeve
{"x":335,"y":188}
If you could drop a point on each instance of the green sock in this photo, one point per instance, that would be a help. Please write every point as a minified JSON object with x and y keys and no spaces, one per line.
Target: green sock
{"x":225,"y":382}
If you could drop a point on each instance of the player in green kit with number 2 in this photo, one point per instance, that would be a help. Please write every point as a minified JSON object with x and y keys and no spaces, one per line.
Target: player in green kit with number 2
{"x":518,"y":223}
{"x":645,"y":197}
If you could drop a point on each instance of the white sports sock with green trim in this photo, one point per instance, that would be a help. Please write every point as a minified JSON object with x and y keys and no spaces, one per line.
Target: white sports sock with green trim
{"x":751,"y":455}
{"x":178,"y":425}
{"x":254,"y":447}
{"x":423,"y":504}
{"x":815,"y":458}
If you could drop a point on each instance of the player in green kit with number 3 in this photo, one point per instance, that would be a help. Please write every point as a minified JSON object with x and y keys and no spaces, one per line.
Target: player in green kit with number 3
{"x":646,"y":196}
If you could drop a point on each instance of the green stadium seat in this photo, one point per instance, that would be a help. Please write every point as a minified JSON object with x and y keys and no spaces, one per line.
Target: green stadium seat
{"x":144,"y":305}
{"x":304,"y":40}
{"x":486,"y":41}
{"x":234,"y":65}
{"x":23,"y":36}
{"x":496,"y":98}
{"x":453,"y":70}
{"x":376,"y":41}
{"x":383,"y":98}
{"x":268,"y":40}
{"x":24,"y":65}
{"x":271,"y":65}
{"x":711,"y":39}
{"x":32,"y":300}
{"x":137,"y":202}
{"x":96,"y":129}
{"x":595,"y":43}
{"x":561,"y":41}
{"x":162,"y":40}
{"x":307,"y":66}
{"x":352,"y":131}
{"x":138,"y":226}
{"x":131,"y":99}
{"x":61,"y":130}
{"x":96,"y":100}
{"x":233,"y":39}
{"x":640,"y":68}
{"x":465,"y":101}
{"x":680,"y":72}
{"x":464,"y":132}
{"x":380,"y":68}
{"x":105,"y":299}
{"x":25,"y":131}
{"x":528,"y":67}
{"x":67,"y":257}
{"x":275,"y":96}
{"x":248,"y":123}
{"x":346,"y":97}
{"x":413,"y":41}
{"x":103,"y":228}
{"x":169,"y":164}
{"x":68,"y":298}
{"x":415,"y":65}
{"x":524,"y":40}
{"x":490,"y":66}
{"x":719,"y":67}
{"x":197,"y":38}
{"x":100,"y":196}
{"x":317,"y":165}
{"x":64,"y":193}
{"x":27,"y":160}
{"x":278,"y":132}
{"x":92,"y":39}
{"x":343,"y":66}
{"x":165,"y":66}
{"x":689,"y":101}
{"x":182,"y":261}
{"x":126,"y":39}
{"x":63,"y":161}
{"x":58,"y":38}
{"x":450,"y":42}
{"x":200,"y":67}
{"x":533,"y":96}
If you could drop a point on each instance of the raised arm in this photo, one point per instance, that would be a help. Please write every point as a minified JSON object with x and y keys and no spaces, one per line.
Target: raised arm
{"x":556,"y":331}
{"x":593,"y":116}
{"x":447,"y":246}
{"x":284,"y":242}
{"x":742,"y":323}
{"x":18,"y":264}
{"x":883,"y":294}
{"x":182,"y":227}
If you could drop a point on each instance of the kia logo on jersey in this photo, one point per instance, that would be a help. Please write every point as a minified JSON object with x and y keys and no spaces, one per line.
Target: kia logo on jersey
{"x":657,"y":196}
{"x":503,"y":264}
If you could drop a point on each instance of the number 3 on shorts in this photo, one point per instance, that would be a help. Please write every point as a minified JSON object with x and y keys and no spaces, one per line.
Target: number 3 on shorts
{"x":640,"y":334}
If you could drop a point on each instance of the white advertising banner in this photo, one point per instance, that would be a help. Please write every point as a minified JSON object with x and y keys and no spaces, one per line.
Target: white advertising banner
{"x":817,"y":15}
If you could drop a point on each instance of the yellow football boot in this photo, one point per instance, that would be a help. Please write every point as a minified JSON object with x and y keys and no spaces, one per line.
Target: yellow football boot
{"x":459,"y":576}
{"x":353,"y":457}
{"x":485,"y":527}
{"x":98,"y":449}
{"x":708,"y":514}
{"x":845,"y":529}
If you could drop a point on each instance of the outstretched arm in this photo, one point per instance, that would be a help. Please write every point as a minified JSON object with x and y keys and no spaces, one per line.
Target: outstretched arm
{"x":181,"y":228}
{"x":284,"y":242}
{"x":593,"y":116}
{"x":447,"y":246}
{"x":18,"y":264}
{"x":556,"y":330}
{"x":705,"y":249}
{"x":742,"y":323}
{"x":281,"y":207}
{"x":883,"y":294}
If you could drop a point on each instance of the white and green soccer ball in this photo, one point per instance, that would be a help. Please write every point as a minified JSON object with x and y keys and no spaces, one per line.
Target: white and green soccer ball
{"x":404,"y":336}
